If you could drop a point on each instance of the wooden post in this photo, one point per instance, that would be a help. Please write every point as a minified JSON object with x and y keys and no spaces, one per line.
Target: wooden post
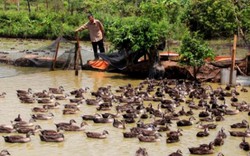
{"x":56,"y":53}
{"x":233,"y":60}
{"x":77,"y":51}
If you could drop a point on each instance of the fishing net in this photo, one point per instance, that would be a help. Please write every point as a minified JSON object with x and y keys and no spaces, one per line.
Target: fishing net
{"x":59,"y":54}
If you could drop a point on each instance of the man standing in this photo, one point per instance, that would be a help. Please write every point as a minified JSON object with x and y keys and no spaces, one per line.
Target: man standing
{"x":96,"y":32}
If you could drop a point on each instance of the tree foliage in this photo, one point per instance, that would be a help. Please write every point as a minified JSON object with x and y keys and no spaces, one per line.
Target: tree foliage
{"x":137,"y":34}
{"x":213,"y":18}
{"x":194,"y":51}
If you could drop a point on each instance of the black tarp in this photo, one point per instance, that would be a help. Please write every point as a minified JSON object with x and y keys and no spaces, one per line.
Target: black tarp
{"x":121,"y":59}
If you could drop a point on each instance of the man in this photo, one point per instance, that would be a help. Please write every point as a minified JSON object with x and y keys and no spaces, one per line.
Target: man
{"x":96,"y":32}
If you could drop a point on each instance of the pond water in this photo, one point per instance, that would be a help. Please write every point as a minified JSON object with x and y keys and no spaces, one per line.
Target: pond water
{"x":76,"y":143}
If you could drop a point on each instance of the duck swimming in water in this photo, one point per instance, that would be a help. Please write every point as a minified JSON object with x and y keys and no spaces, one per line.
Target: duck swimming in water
{"x":202,"y":149}
{"x":4,"y":153}
{"x":18,"y":138}
{"x":177,"y":153}
{"x":97,"y":135}
{"x":62,"y":124}
{"x":185,"y":122}
{"x":154,"y":138}
{"x":243,"y":124}
{"x":7,"y":129}
{"x":141,"y":152}
{"x":244,"y":145}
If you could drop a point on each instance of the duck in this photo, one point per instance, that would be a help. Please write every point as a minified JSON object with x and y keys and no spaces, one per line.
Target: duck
{"x":234,"y":98}
{"x":130,"y":134}
{"x":72,"y":106}
{"x":220,"y":154}
{"x":204,"y":113}
{"x":202,"y":149}
{"x":119,"y":124}
{"x":111,"y":115}
{"x":243,"y":124}
{"x":204,"y":126}
{"x":173,"y":139}
{"x":103,"y":120}
{"x":18,"y":138}
{"x":97,"y":135}
{"x":68,"y":111}
{"x":62,"y":124}
{"x":58,"y":90}
{"x":104,"y":107}
{"x":61,"y":97}
{"x":4,"y":152}
{"x":2,"y":95}
{"x":29,"y":123}
{"x":76,"y":100}
{"x":244,"y":145}
{"x":190,"y":112}
{"x":43,"y":94}
{"x":141,"y":152}
{"x":96,"y":101}
{"x":163,"y":128}
{"x":51,"y":131}
{"x":27,"y":100}
{"x":56,"y":105}
{"x":58,"y":137}
{"x":46,"y":100}
{"x":231,"y":112}
{"x":240,"y":133}
{"x":219,"y":118}
{"x":185,"y":122}
{"x":207,"y":119}
{"x":152,"y":138}
{"x":243,"y":89}
{"x":7,"y":129}
{"x":90,"y":116}
{"x":147,"y":132}
{"x":41,"y":116}
{"x":177,"y":153}
{"x":218,"y":141}
{"x":19,"y":91}
{"x":182,"y":112}
{"x":175,"y":133}
{"x":74,"y":127}
{"x":18,"y":118}
{"x":25,"y":130}
{"x":204,"y":133}
{"x":222,"y":133}
{"x":80,"y":90}
{"x":43,"y":109}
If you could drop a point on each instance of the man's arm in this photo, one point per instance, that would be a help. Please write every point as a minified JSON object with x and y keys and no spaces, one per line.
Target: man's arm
{"x":81,"y":27}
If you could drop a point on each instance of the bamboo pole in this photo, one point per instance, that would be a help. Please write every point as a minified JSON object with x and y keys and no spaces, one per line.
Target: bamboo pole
{"x":233,"y":60}
{"x":55,"y":58}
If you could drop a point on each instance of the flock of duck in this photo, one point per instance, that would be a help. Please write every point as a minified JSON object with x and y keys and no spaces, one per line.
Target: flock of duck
{"x":162,"y":102}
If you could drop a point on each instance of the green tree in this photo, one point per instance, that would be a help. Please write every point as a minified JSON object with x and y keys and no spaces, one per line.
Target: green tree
{"x":213,"y":18}
{"x":194,"y":51}
{"x":138,"y":35}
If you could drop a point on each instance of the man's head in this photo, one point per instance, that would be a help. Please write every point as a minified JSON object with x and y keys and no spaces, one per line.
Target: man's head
{"x":91,"y":18}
